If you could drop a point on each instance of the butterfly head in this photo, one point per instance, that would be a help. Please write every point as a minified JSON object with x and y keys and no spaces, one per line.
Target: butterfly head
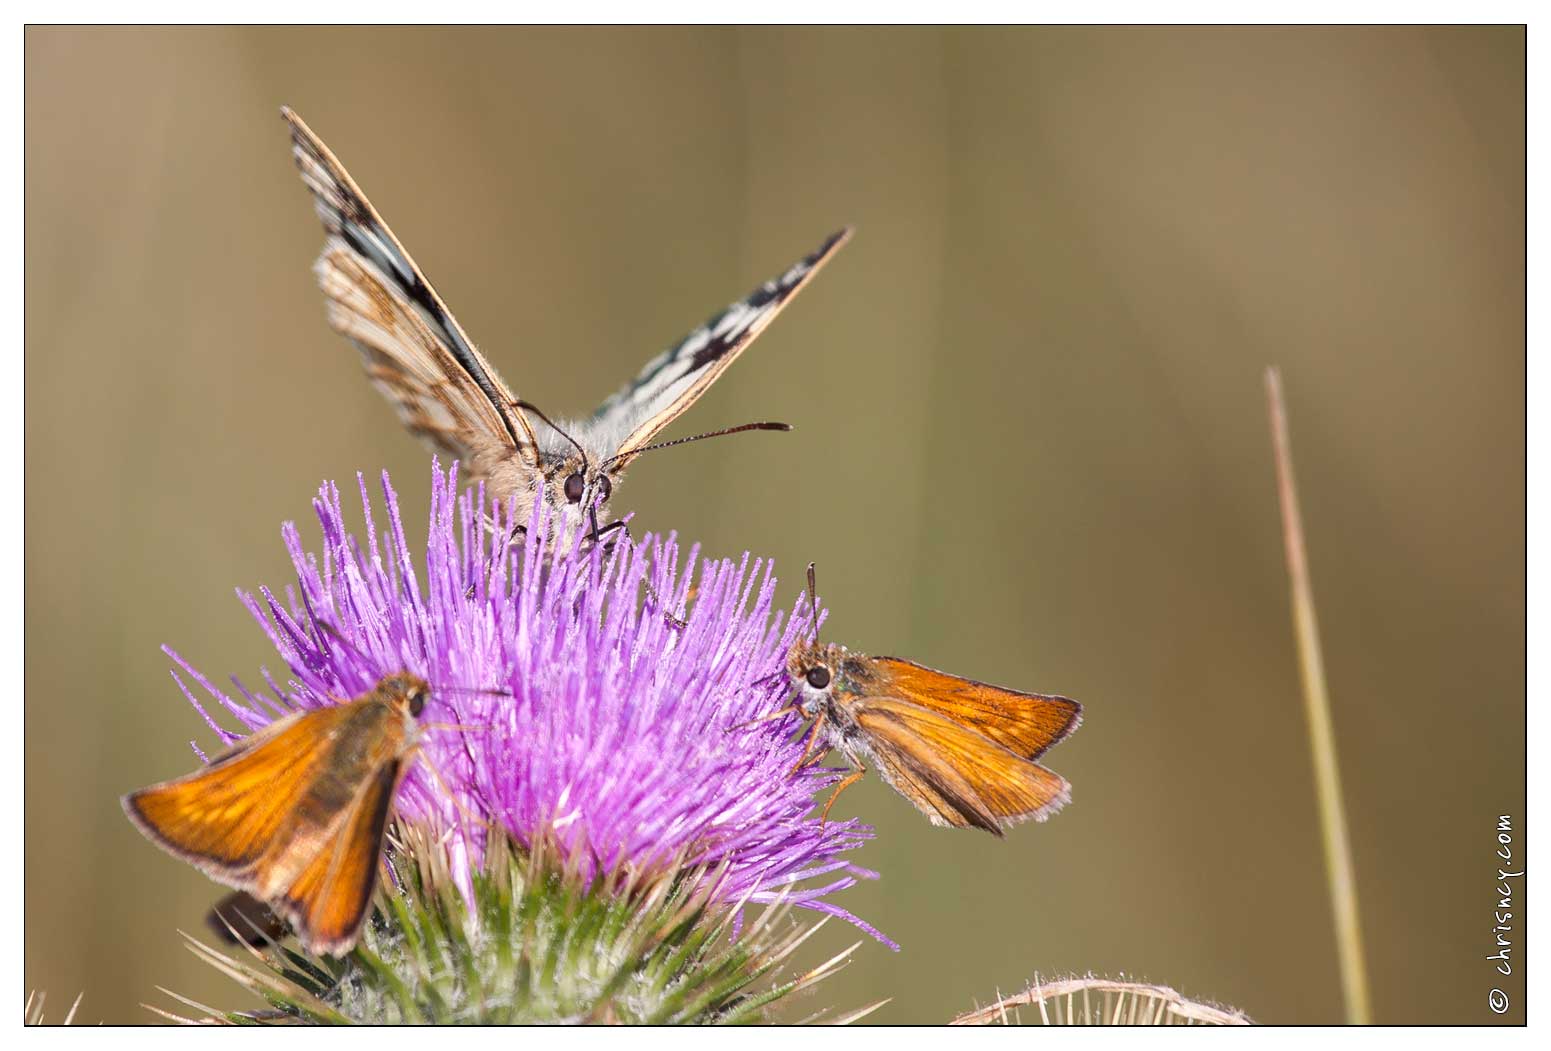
{"x":822,"y":673}
{"x":577,"y":491}
{"x":578,"y":487}
{"x":818,"y":670}
{"x":576,"y":482}
{"x":405,"y":692}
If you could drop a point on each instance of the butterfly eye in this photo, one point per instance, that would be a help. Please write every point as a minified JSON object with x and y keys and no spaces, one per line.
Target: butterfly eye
{"x":416,"y":703}
{"x":605,"y":489}
{"x":818,"y":677}
{"x":575,"y":486}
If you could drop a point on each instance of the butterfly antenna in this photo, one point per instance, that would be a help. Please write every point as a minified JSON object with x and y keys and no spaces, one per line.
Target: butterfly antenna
{"x":325,"y":626}
{"x":813,"y":601}
{"x":493,"y":691}
{"x":530,"y":407}
{"x":763,"y":425}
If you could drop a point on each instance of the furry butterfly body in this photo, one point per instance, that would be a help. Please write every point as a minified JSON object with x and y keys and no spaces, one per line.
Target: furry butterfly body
{"x":446,"y":392}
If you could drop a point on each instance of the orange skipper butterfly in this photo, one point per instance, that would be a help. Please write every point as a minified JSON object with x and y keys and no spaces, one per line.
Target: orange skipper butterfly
{"x":962,"y":752}
{"x":295,"y":813}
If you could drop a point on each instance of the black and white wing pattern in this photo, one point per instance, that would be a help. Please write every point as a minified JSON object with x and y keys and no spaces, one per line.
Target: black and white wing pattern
{"x":670,"y":382}
{"x":414,"y":350}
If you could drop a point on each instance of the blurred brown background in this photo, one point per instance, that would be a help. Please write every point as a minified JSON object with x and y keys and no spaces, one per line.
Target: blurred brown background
{"x":1030,"y":437}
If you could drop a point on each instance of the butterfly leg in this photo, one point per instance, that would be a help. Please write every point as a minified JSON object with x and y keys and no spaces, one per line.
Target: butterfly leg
{"x":767,"y":679}
{"x":790,"y":709}
{"x":597,"y":534}
{"x":846,"y":782}
{"x":813,"y":739}
{"x":675,"y":622}
{"x":518,"y":535}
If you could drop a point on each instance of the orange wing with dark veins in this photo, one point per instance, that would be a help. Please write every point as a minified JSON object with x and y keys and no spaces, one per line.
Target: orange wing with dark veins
{"x":1027,"y":723}
{"x":226,"y":818}
{"x":329,"y":899}
{"x":954,"y":775}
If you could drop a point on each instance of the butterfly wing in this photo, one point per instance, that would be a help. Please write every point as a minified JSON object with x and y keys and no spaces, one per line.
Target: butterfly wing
{"x":672,"y":381}
{"x":952,"y":774}
{"x":226,"y":818}
{"x":241,"y":919}
{"x":1027,"y":723}
{"x":329,"y":898}
{"x":414,"y":349}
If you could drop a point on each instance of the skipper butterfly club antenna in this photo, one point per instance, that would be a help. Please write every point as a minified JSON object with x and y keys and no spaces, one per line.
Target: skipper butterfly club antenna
{"x":813,"y":603}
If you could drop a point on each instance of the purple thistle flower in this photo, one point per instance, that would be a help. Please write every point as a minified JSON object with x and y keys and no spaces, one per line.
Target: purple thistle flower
{"x":571,"y":717}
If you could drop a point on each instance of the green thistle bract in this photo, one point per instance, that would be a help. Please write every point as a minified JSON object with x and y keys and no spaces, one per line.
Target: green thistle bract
{"x":540,"y":947}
